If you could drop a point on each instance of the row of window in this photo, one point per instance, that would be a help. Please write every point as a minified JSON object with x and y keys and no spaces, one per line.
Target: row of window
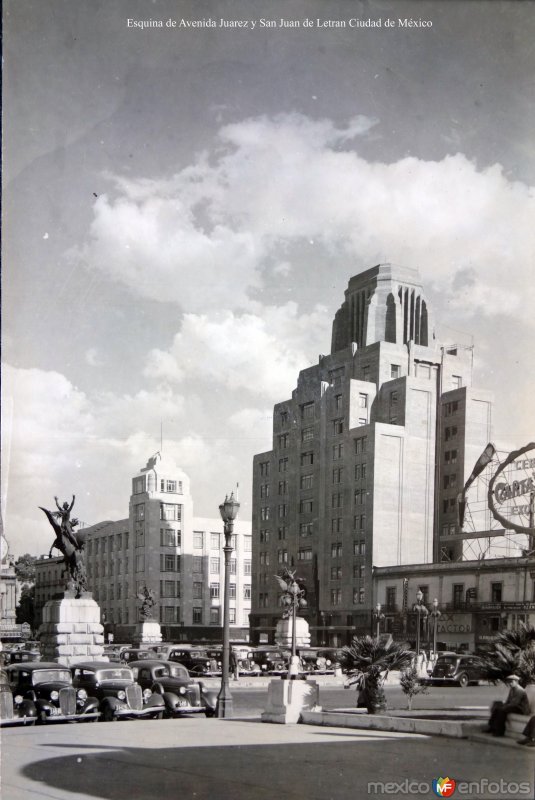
{"x":336,"y":597}
{"x":115,"y":542}
{"x":170,"y":615}
{"x":166,"y":485}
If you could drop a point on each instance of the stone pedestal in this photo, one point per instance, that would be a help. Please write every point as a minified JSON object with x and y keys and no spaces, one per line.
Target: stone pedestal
{"x":287,"y":699}
{"x":283,"y":633}
{"x":71,"y":631}
{"x":148,"y":632}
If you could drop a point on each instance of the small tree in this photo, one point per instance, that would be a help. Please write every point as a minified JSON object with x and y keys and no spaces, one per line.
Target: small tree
{"x":411,"y":685}
{"x":367,"y":662}
{"x":25,"y":568}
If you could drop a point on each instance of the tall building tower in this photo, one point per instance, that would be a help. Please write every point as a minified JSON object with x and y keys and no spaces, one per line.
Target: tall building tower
{"x":368,"y":457}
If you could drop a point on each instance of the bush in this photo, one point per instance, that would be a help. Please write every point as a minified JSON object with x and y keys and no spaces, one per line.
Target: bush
{"x":511,"y":652}
{"x":411,"y":685}
{"x":367,"y":662}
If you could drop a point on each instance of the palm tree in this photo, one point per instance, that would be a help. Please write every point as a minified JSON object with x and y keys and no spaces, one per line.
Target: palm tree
{"x":511,"y":652}
{"x":367,"y":662}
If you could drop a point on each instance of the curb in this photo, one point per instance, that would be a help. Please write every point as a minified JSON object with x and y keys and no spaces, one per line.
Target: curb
{"x":451,"y":728}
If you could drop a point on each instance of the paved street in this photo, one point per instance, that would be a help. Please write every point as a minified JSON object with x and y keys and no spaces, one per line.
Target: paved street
{"x":244,"y":759}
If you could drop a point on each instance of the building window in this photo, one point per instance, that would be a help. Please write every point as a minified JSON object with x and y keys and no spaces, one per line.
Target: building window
{"x":305,"y":529}
{"x":282,"y":532}
{"x":264,"y":490}
{"x":214,"y":541}
{"x":336,"y":376}
{"x":264,"y":535}
{"x":450,"y":432}
{"x":337,"y":525}
{"x":167,"y":588}
{"x":167,"y":563}
{"x":170,"y":486}
{"x":198,"y":540}
{"x":338,"y":451}
{"x":284,"y":441}
{"x":264,"y":558}
{"x":458,"y":594}
{"x":139,"y":485}
{"x":283,"y":510}
{"x":337,"y":500}
{"x":450,"y":456}
{"x":307,"y":459}
{"x":307,"y":481}
{"x":336,"y":573}
{"x":214,"y":566}
{"x":338,"y":401}
{"x":360,"y":496}
{"x":360,"y":472}
{"x":338,"y":427}
{"x":283,"y":487}
{"x":361,"y":595}
{"x":232,"y":565}
{"x":197,"y":563}
{"x":264,"y":469}
{"x":197,"y":616}
{"x":307,"y":411}
{"x":247,"y":591}
{"x":391,"y":598}
{"x":307,"y":434}
{"x":336,"y":597}
{"x":451,"y":408}
{"x":450,"y":481}
{"x":361,"y":445}
{"x":336,"y":550}
{"x":496,"y":592}
{"x":232,"y":616}
{"x":170,"y":511}
{"x":168,"y":538}
{"x":197,"y":590}
{"x":247,"y":567}
{"x":395,"y":370}
{"x":306,"y":506}
{"x":264,"y":513}
{"x":359,"y":548}
{"x":304,"y":554}
{"x":456,"y":381}
{"x":284,"y":417}
{"x":338,"y":475}
{"x":282,"y":556}
{"x":214,"y":615}
{"x":140,"y":563}
{"x":139,"y":514}
{"x":283,"y":464}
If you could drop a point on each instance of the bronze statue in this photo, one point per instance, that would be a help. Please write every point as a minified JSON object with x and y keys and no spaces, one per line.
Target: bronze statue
{"x":70,"y":543}
{"x":146,"y":596}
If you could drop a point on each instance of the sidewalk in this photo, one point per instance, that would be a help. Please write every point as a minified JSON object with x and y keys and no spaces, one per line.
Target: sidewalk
{"x":205,"y":759}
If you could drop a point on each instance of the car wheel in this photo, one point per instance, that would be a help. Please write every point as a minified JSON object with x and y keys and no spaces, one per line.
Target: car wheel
{"x":463,"y":680}
{"x":108,"y":715}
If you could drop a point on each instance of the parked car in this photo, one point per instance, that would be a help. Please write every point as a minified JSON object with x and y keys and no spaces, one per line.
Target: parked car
{"x":456,"y":669}
{"x":23,"y":656}
{"x":14,"y":709}
{"x":49,"y":686}
{"x":113,"y":651}
{"x":196,"y":661}
{"x":272,"y":660}
{"x":118,"y":694}
{"x":135,"y":654}
{"x":182,"y":695}
{"x":314,"y":661}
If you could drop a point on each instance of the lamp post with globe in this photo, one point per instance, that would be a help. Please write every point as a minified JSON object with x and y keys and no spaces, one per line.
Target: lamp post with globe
{"x":229,"y":511}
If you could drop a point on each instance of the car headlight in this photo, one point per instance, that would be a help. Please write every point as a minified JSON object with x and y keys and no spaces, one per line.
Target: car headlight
{"x":81,"y":694}
{"x":18,"y":699}
{"x":182,"y":690}
{"x":264,"y":666}
{"x":121,"y":695}
{"x":328,"y":662}
{"x":54,"y":695}
{"x":146,"y":694}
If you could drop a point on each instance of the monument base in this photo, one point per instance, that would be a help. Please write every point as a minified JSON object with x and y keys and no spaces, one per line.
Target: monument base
{"x":71,"y":630}
{"x":283,"y":633}
{"x":148,"y":632}
{"x":287,"y":699}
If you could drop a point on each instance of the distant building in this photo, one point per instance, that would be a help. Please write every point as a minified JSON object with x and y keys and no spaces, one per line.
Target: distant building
{"x":9,"y":630}
{"x":161,"y":545}
{"x":368,"y":457}
{"x":477,"y":599}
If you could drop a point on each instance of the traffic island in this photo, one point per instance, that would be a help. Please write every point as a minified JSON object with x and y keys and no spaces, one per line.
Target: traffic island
{"x":289,"y":700}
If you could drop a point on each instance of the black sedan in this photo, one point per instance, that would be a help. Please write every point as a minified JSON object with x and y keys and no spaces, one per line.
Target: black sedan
{"x":182,"y":695}
{"x":14,"y":709}
{"x":118,"y":695}
{"x":49,"y":686}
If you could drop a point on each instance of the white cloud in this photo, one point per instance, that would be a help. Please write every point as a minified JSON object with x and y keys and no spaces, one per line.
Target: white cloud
{"x":202,"y":238}
{"x":262,"y":354}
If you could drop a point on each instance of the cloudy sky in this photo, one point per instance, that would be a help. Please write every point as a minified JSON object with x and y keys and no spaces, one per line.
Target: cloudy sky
{"x":183,"y":209}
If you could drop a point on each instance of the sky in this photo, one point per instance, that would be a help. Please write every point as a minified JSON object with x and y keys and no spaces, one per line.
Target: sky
{"x":184,"y":207}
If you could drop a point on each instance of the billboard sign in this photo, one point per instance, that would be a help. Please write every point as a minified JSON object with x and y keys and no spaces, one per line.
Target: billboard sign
{"x":511,"y":494}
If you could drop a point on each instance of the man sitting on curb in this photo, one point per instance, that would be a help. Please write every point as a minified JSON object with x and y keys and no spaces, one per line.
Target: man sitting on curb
{"x":517,"y":702}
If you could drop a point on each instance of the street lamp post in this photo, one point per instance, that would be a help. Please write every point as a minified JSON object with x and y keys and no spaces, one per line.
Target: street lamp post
{"x":421,"y":610}
{"x":378,"y":617}
{"x":435,"y":614}
{"x":229,"y":511}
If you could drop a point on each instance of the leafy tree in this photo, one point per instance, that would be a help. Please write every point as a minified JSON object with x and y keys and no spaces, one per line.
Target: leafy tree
{"x":411,"y":685}
{"x":25,"y":611}
{"x":511,"y":652}
{"x":25,"y":568}
{"x":367,"y":662}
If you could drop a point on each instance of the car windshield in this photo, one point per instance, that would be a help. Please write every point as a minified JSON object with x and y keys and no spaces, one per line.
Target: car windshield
{"x":447,"y":660}
{"x":50,"y":676}
{"x":178,"y":672}
{"x":114,"y":675}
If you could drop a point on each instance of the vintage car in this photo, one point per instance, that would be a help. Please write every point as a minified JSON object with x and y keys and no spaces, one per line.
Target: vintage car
{"x":49,"y":686}
{"x":196,"y":661}
{"x":14,"y":709}
{"x":272,"y":660}
{"x":182,"y":695}
{"x":452,"y":668}
{"x":118,"y":695}
{"x":113,"y":651}
{"x":23,"y":656}
{"x":135,"y":654}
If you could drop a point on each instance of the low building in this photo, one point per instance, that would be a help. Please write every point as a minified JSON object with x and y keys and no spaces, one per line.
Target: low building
{"x":163,"y":547}
{"x":476,"y":599}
